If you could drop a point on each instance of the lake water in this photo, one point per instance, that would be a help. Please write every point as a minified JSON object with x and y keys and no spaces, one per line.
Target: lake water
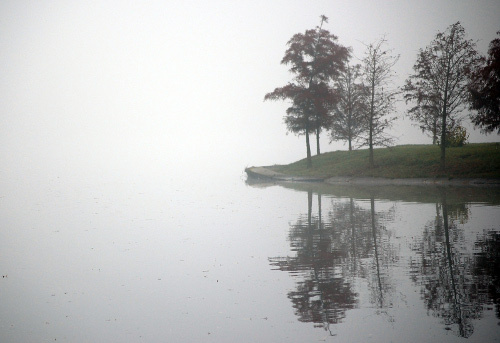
{"x":220,"y":259}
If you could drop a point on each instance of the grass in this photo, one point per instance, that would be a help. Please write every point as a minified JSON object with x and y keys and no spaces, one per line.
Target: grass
{"x":403,"y":161}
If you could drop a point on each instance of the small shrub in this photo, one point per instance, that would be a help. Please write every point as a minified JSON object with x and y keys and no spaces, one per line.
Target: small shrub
{"x":456,"y":137}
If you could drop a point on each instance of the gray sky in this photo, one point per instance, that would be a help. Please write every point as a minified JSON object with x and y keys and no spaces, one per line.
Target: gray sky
{"x":100,"y":86}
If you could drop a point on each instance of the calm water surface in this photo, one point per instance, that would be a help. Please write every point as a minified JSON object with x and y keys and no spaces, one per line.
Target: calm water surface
{"x":221,"y":260}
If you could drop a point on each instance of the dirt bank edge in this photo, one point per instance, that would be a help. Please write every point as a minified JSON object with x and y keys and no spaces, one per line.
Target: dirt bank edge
{"x":267,"y":174}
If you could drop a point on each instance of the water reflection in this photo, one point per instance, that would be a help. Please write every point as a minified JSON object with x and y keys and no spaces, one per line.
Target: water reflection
{"x":455,"y":283}
{"x":331,"y":253}
{"x":349,"y":251}
{"x":324,"y":293}
{"x":487,"y":267}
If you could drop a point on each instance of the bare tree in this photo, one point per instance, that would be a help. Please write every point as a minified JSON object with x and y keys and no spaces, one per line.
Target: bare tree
{"x":378,"y":74}
{"x":442,"y":77}
{"x":349,"y":114}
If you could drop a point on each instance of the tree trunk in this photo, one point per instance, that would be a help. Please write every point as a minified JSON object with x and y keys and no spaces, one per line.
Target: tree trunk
{"x":308,"y":145}
{"x":443,"y":117}
{"x":434,"y":131}
{"x":372,"y":110}
{"x":370,"y":135}
{"x":349,"y":109}
{"x":370,"y":144}
{"x":443,"y":127}
{"x":317,"y":142}
{"x":443,"y":137}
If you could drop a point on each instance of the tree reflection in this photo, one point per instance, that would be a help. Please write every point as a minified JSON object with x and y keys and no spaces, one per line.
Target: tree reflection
{"x":452,"y":288}
{"x":487,"y":266}
{"x":324,"y":294}
{"x":344,"y":249}
{"x":360,"y":233}
{"x":330,"y":255}
{"x":383,"y":256}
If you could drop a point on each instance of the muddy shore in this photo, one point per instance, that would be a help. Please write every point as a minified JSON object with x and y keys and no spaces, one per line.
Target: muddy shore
{"x":270,"y":175}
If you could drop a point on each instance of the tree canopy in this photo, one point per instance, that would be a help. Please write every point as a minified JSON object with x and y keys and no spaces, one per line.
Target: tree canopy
{"x":314,"y":58}
{"x":485,"y":91}
{"x":440,"y":83}
{"x":356,"y":103}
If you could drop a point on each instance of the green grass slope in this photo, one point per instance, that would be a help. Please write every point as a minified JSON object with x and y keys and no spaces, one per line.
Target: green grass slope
{"x":404,"y":161}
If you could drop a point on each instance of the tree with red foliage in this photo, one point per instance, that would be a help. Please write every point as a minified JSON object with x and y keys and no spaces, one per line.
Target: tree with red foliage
{"x":315,"y":58}
{"x":485,"y":91}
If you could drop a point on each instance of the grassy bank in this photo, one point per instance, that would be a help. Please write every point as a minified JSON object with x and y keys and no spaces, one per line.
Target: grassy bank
{"x":404,"y":161}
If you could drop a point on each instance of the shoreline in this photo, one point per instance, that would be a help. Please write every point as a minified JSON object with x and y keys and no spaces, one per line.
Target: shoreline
{"x":264,"y":173}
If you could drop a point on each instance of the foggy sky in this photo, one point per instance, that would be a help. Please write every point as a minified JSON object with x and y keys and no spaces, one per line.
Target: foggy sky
{"x":155,"y":86}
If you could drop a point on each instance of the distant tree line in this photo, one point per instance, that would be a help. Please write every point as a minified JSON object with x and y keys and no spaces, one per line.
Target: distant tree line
{"x":356,"y":102}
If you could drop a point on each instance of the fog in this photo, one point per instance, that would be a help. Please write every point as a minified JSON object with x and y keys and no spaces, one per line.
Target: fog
{"x":133,"y":89}
{"x":125,"y":128}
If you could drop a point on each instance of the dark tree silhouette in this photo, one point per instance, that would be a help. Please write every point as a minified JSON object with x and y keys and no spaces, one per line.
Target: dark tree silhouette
{"x":441,"y":81}
{"x":315,"y":58}
{"x":485,"y":91}
{"x":427,"y":111}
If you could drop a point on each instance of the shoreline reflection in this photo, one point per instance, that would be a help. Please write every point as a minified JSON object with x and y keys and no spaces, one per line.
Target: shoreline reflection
{"x":350,"y":250}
